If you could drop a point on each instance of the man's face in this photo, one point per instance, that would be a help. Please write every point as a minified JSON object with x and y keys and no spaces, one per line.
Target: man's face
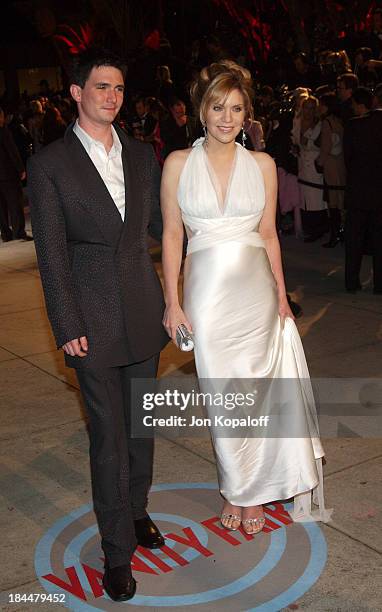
{"x":309,"y":110}
{"x":355,"y":108}
{"x":178,"y":109}
{"x":100,"y":100}
{"x":300,"y":65}
{"x":141,"y":108}
{"x":343,"y":93}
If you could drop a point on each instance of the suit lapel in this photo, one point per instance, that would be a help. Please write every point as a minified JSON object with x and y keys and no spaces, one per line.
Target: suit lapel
{"x":133,"y":189}
{"x":96,"y":197}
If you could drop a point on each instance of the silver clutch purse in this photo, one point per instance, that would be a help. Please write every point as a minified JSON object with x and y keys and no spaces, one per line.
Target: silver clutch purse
{"x":184,"y":338}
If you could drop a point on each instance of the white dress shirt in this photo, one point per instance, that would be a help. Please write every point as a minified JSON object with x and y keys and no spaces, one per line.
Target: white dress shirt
{"x":109,"y":165}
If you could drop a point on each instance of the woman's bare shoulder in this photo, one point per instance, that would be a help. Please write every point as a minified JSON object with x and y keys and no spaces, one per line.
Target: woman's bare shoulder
{"x":265,"y":161}
{"x":177,"y":159}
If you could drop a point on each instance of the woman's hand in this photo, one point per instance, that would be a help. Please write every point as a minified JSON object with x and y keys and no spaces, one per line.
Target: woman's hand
{"x":284,"y":308}
{"x":172,"y":318}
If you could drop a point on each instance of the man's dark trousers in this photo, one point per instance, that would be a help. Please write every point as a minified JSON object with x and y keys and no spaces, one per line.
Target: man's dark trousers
{"x":362,"y":226}
{"x":121,"y":465}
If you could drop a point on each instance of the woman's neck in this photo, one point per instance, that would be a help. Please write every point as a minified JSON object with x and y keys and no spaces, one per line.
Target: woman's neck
{"x":219,"y":149}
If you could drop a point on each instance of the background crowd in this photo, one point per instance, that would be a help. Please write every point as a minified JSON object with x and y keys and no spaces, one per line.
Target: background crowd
{"x":319,"y":116}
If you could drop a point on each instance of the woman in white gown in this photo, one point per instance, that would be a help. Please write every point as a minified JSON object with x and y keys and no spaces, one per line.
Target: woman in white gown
{"x":234,"y":297}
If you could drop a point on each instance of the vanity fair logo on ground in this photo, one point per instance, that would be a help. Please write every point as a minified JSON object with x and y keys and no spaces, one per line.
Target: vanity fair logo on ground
{"x":202,"y":566}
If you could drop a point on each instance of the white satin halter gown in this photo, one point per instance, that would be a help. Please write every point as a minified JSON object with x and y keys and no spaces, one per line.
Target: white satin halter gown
{"x":231,"y":301}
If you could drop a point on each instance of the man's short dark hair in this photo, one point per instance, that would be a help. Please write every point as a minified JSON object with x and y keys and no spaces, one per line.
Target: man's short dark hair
{"x":93,"y":57}
{"x":173,"y":100}
{"x":366,"y":53}
{"x":349,"y":80}
{"x":363,"y":95}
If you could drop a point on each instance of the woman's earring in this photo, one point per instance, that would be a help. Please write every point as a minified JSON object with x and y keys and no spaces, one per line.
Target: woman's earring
{"x":205,"y":135}
{"x":243,"y":137}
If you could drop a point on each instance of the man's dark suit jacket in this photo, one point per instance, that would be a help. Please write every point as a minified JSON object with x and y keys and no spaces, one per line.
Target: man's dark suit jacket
{"x":11,"y":165}
{"x":363,"y":159}
{"x":97,"y":274}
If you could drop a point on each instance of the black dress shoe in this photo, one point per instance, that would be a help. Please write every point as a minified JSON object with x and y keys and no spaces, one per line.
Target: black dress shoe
{"x":6,"y":238}
{"x":147,"y":533}
{"x":25,"y":238}
{"x":118,"y":582}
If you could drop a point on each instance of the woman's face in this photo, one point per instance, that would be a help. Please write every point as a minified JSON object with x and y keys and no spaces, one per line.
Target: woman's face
{"x":225,"y":118}
{"x":309,"y":110}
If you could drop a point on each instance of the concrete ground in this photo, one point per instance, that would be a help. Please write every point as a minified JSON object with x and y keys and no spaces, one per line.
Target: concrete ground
{"x":44,"y":468}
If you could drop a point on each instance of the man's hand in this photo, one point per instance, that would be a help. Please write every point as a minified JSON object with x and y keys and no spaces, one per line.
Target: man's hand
{"x":77,"y":347}
{"x":23,"y":175}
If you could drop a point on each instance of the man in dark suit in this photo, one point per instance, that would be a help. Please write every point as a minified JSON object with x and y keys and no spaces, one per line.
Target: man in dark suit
{"x":347,"y":83}
{"x":363,"y":194}
{"x":179,"y":130}
{"x":94,"y":194}
{"x":12,"y":172}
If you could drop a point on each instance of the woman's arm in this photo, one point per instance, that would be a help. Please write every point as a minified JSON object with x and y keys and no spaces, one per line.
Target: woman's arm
{"x":267,"y":229}
{"x":326,"y":143}
{"x":172,"y":241}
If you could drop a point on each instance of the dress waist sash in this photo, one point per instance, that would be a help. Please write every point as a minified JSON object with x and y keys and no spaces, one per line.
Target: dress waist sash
{"x":207,"y":233}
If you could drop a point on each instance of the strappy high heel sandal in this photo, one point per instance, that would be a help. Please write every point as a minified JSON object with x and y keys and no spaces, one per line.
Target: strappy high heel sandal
{"x":230,"y":521}
{"x":252,"y":526}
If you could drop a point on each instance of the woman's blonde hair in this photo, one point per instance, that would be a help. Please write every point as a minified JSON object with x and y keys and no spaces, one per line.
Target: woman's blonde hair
{"x":311,"y":98}
{"x":215,"y":82}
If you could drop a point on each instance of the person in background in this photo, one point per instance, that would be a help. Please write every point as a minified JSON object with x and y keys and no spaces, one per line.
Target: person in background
{"x":12,"y":172}
{"x":377,"y":97}
{"x":367,"y":75}
{"x":158,"y":111}
{"x":363,"y":202}
{"x":331,"y":159}
{"x":53,"y":125}
{"x":166,"y":89}
{"x":21,"y":136}
{"x":347,"y":83}
{"x":263,"y":101}
{"x":362,"y":101}
{"x":374,"y":37}
{"x":310,"y":177}
{"x":179,"y":130}
{"x":143,"y":123}
{"x":34,"y":124}
{"x":279,"y":146}
{"x":305,"y":74}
